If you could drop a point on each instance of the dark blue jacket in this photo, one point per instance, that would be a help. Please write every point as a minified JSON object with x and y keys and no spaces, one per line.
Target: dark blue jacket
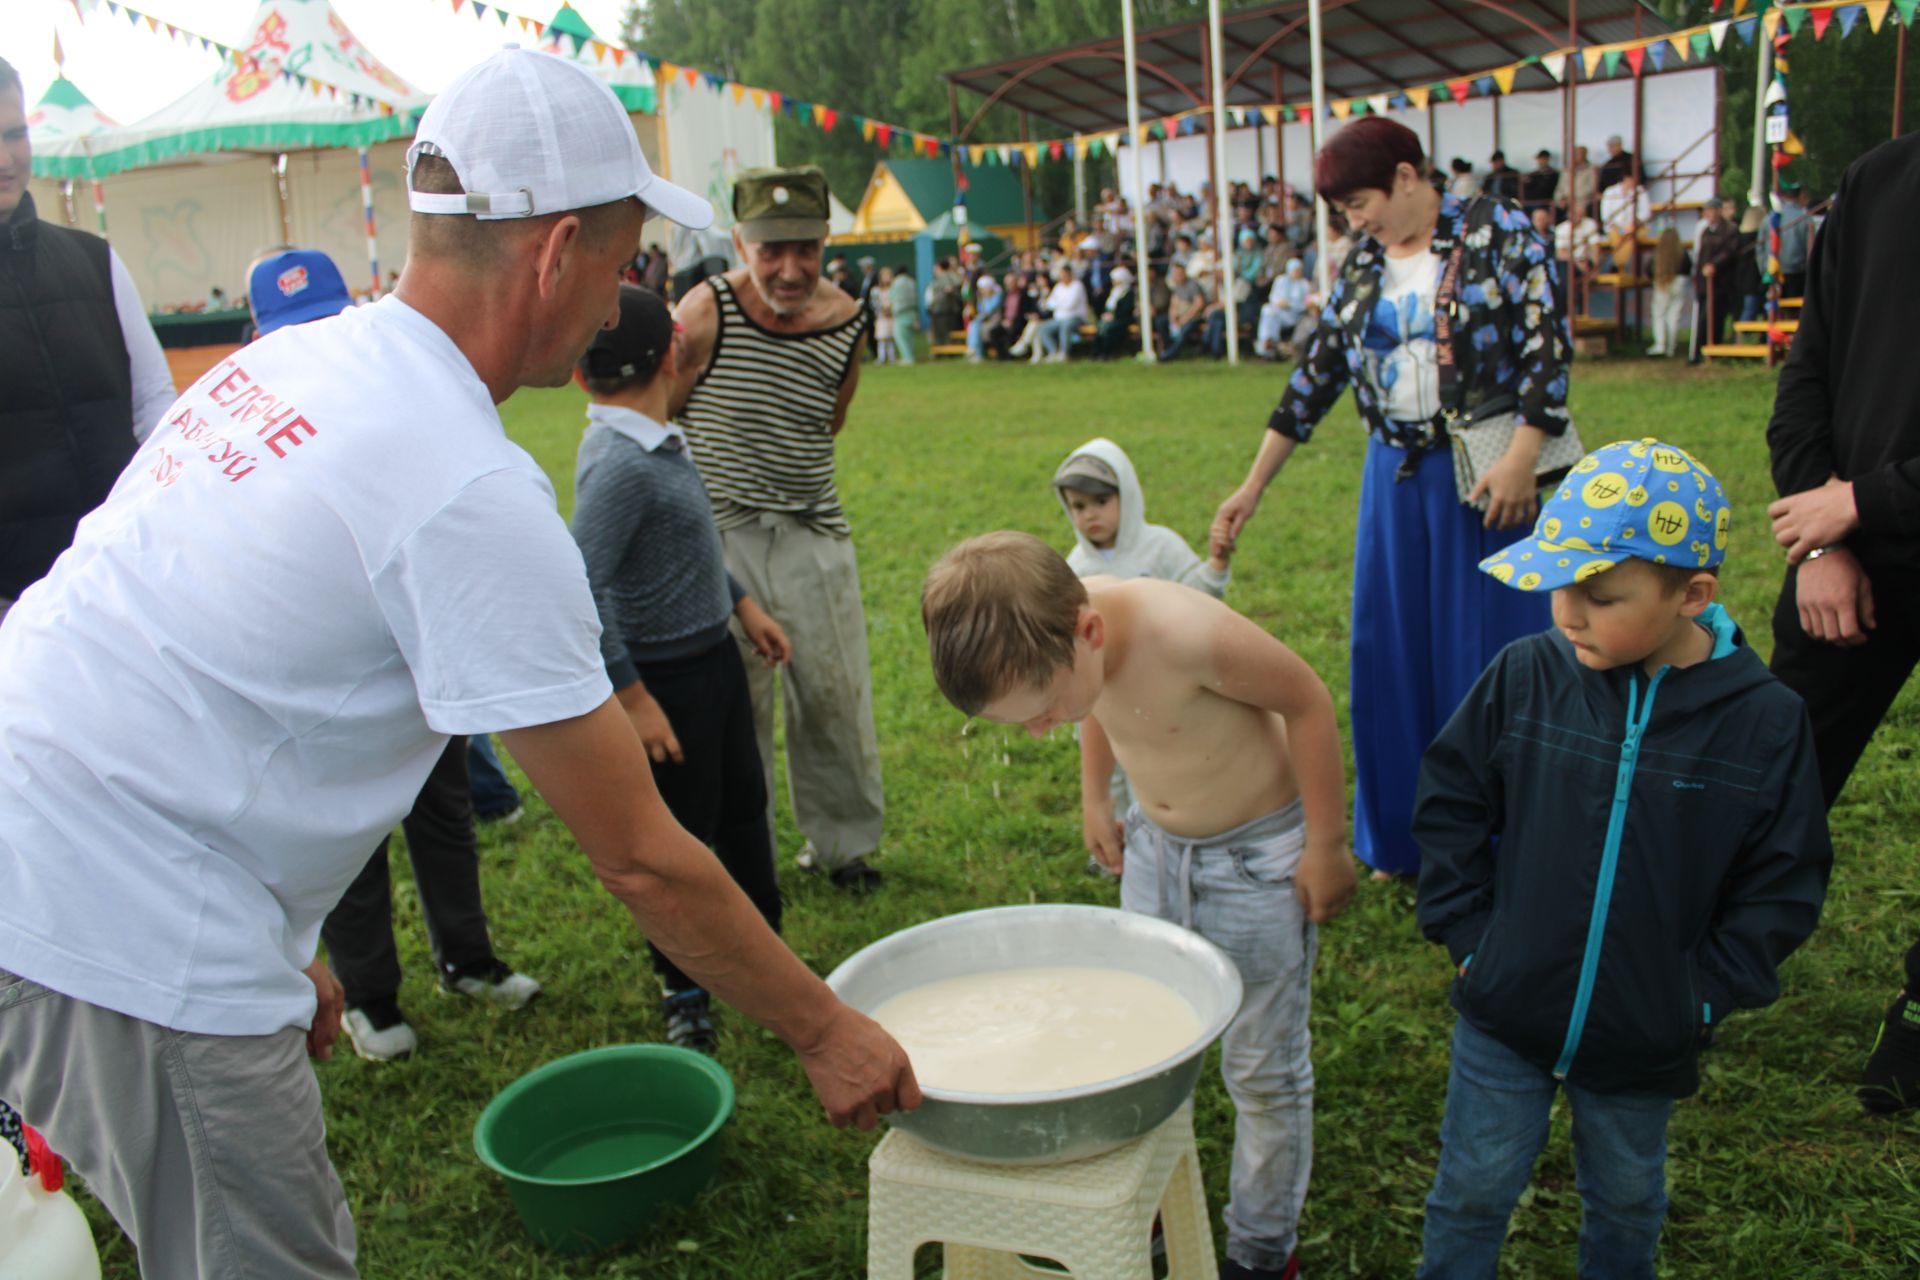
{"x":1620,"y":862}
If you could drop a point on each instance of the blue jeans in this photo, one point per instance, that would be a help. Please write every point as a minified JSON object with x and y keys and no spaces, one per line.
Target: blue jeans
{"x":1057,"y":334}
{"x":493,"y":795}
{"x":1181,"y":336}
{"x":1235,"y":889}
{"x":1498,"y":1105}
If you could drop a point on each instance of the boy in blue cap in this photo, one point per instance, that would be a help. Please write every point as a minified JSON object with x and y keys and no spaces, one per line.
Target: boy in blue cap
{"x":1622,"y":836}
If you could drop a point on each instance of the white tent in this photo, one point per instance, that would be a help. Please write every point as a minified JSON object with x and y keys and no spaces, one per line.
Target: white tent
{"x":302,"y":80}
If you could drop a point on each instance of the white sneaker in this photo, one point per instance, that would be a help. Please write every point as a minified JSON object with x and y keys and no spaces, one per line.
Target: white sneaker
{"x":378,"y":1044}
{"x":1019,"y":349}
{"x":1058,"y":357}
{"x":496,"y":983}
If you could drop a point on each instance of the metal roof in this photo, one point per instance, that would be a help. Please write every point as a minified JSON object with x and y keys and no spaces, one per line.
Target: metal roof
{"x":1371,"y":47}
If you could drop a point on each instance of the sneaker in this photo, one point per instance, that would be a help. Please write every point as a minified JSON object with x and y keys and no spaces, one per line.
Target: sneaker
{"x":1231,"y":1270}
{"x":494,"y":980}
{"x":1891,"y":1081}
{"x":855,"y":876}
{"x":689,"y":1017}
{"x":379,"y":1033}
{"x":501,"y":819}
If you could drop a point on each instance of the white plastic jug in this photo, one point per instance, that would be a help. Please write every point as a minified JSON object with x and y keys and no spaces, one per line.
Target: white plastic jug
{"x":43,"y":1234}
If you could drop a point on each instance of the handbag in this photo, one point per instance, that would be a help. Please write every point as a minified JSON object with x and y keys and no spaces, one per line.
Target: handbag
{"x":1482,"y":436}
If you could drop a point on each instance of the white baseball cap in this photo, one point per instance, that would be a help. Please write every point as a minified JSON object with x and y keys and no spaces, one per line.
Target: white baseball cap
{"x":529,"y":133}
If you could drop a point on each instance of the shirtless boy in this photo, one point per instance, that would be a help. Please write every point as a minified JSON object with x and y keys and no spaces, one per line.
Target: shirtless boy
{"x":1239,"y":830}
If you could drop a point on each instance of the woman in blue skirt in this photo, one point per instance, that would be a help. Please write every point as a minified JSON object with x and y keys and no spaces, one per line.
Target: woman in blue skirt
{"x":1425,"y":620}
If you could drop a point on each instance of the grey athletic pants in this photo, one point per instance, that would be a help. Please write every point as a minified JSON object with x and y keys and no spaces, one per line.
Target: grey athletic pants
{"x":209,"y":1151}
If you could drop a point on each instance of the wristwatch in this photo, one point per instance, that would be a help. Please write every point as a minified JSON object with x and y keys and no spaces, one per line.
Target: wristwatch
{"x":1817,"y":552}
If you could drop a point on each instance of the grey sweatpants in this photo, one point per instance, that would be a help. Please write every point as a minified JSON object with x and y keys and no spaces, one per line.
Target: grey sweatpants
{"x":1235,"y":890}
{"x":209,"y":1151}
{"x":810,"y":583}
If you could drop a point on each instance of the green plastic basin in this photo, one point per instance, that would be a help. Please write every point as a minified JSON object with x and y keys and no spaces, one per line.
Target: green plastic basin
{"x":592,"y":1144}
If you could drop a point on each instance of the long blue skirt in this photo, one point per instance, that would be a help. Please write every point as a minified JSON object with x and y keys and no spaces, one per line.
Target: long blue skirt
{"x":1426,"y":622}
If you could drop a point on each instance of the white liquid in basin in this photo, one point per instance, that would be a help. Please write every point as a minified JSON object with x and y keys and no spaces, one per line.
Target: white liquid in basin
{"x":1038,"y":1029}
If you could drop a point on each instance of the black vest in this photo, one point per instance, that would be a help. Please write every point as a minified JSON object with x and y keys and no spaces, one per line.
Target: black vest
{"x":66,"y":392}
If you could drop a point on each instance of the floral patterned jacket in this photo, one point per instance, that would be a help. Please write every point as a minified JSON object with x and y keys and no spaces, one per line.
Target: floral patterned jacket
{"x":1510,"y":331}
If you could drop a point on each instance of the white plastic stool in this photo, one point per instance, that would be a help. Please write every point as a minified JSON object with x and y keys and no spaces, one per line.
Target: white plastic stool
{"x":1094,"y":1217}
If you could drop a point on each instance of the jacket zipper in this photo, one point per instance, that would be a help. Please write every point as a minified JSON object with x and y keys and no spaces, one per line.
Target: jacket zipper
{"x":1609,"y":865}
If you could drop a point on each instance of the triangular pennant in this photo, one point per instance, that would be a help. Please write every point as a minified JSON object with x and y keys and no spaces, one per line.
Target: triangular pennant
{"x":1906,"y":8}
{"x":1419,"y":97}
{"x":133,"y":19}
{"x":479,"y":10}
{"x":501,"y":14}
{"x":1876,"y":15}
{"x":1032,"y":153}
{"x":599,"y":51}
{"x":1006,"y":155}
{"x":1460,"y":89}
{"x":1793,"y":146}
{"x":1341,"y":109}
{"x":1718,"y":32}
{"x":776,"y":102}
{"x":1056,"y":149}
{"x":827,"y":117}
{"x":1849,"y":16}
{"x":1637,"y":58}
{"x":759,"y":99}
{"x":1170,"y":127}
{"x":1681,"y":45}
{"x":1113,"y":144}
{"x":1590,"y":58}
{"x":667,"y":71}
{"x":866,"y":131}
{"x":1484,"y":86}
{"x":1611,"y":60}
{"x":739,"y":92}
{"x":1822,"y":19}
{"x":976,"y":154}
{"x":457,"y":4}
{"x":883,"y":134}
{"x":1378,"y":104}
{"x":1702,"y":45}
{"x":1797,"y":18}
{"x":1504,"y":77}
{"x":691,"y":75}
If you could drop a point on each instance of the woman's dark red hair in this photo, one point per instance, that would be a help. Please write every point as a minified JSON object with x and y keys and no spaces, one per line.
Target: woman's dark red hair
{"x":1364,"y":156}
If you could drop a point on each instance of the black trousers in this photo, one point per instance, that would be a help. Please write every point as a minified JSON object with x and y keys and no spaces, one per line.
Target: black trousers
{"x":1847,"y":691}
{"x":446,"y":867}
{"x":1713,"y":327}
{"x":718,"y":792}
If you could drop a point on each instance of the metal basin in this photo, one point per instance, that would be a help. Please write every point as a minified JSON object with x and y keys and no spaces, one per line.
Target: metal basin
{"x":1067,"y":1124}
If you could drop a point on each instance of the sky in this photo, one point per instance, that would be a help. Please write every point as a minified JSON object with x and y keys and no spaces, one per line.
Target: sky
{"x":130,"y":72}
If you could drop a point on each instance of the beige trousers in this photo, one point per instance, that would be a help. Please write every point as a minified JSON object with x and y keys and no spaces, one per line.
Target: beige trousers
{"x":810,"y":583}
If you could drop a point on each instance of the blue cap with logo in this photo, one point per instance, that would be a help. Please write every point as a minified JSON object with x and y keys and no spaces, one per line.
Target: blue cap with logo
{"x":295,"y":287}
{"x":1638,"y":499}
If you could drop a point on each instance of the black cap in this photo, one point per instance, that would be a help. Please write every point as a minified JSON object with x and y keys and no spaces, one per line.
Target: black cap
{"x":638,"y":343}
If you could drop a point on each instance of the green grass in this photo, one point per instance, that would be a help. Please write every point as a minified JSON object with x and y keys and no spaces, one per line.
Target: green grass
{"x":1774,"y":1171}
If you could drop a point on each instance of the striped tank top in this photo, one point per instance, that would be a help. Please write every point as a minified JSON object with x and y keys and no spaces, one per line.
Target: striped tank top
{"x":760,"y":419}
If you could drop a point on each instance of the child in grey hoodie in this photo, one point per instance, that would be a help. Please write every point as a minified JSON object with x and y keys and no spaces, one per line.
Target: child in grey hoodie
{"x":1102,"y":498}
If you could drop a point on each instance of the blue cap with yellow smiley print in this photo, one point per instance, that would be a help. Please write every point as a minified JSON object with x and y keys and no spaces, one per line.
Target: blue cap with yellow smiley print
{"x":1640,"y":499}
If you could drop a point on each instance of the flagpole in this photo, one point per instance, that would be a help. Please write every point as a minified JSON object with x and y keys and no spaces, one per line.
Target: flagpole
{"x":366,"y":206}
{"x":1142,"y":293}
{"x":1322,"y":237}
{"x":1223,"y":228}
{"x":1757,"y":189}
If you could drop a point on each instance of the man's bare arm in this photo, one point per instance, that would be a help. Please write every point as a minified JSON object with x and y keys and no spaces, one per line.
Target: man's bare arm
{"x":699,"y":317}
{"x":847,"y":388}
{"x":594,"y":772}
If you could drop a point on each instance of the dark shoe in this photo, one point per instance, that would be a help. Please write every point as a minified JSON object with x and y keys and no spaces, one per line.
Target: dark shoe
{"x":503,"y":818}
{"x":690,"y":1020}
{"x":1891,"y":1081}
{"x":1231,"y":1270}
{"x":855,"y":877}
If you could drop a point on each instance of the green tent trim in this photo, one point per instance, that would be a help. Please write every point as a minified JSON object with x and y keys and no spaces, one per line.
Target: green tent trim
{"x":270,"y":136}
{"x":993,"y":195}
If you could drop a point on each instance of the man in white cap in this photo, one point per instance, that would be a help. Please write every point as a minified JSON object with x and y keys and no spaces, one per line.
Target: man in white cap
{"x":326,"y":560}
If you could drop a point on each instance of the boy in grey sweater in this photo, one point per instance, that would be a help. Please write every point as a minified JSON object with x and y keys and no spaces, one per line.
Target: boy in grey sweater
{"x":653,"y":557}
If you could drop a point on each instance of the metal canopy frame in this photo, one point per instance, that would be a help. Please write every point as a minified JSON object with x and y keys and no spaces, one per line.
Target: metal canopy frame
{"x":1371,"y":46}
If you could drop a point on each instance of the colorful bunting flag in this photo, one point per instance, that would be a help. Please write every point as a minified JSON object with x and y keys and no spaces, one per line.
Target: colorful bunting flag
{"x":692,"y":75}
{"x":883,"y":134}
{"x":1876,"y":15}
{"x":1611,"y":60}
{"x":1680,"y":45}
{"x":1055,"y":149}
{"x":1460,"y":89}
{"x":1590,"y":58}
{"x":1906,"y":8}
{"x":1797,"y":18}
{"x":1822,"y":19}
{"x":1484,"y":86}
{"x":1504,"y":77}
{"x":1637,"y":58}
{"x":1378,"y":103}
{"x":1341,"y":109}
{"x":1419,"y":97}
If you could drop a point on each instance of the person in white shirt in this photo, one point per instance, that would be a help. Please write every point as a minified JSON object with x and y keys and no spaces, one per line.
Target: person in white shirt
{"x":1624,"y":211}
{"x":1286,"y":303}
{"x":1067,"y":309}
{"x":327,"y":560}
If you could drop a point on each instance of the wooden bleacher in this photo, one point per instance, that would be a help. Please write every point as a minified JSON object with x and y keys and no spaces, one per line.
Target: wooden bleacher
{"x":1775,"y":338}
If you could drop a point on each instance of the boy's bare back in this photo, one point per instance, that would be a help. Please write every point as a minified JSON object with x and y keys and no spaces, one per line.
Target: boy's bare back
{"x":1180,"y":711}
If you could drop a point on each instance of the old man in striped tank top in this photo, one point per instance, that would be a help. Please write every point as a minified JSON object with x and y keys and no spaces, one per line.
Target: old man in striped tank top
{"x":772,"y":364}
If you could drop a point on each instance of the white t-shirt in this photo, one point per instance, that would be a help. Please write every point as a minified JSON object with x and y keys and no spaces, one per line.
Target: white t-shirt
{"x":1398,"y":342}
{"x":146,"y":362}
{"x":327,"y":558}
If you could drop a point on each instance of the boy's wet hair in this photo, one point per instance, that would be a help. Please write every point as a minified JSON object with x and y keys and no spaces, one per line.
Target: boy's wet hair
{"x":1001,"y":611}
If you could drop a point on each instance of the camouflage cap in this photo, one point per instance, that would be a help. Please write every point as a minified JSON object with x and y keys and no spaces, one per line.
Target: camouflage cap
{"x":781,"y":204}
